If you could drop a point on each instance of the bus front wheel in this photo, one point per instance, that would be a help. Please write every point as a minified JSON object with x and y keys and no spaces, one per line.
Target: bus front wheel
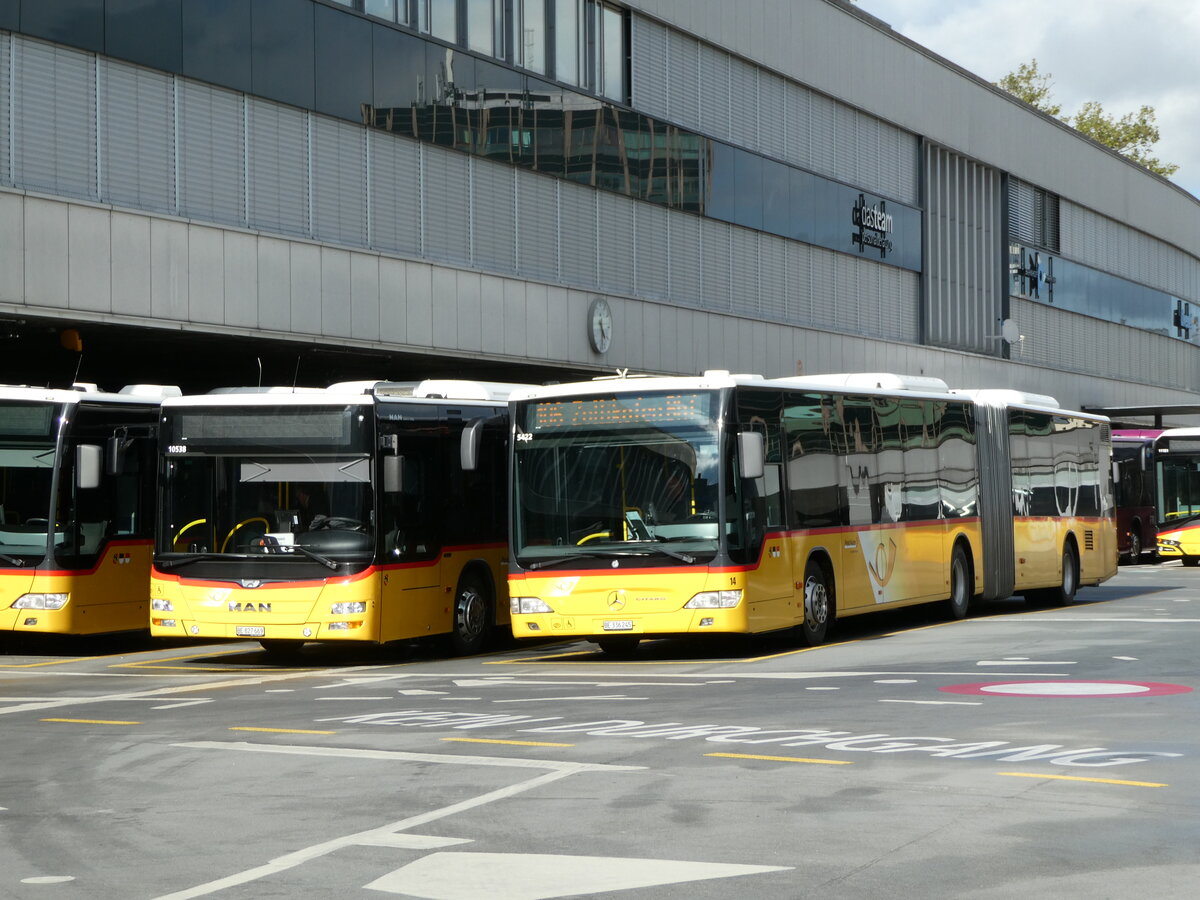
{"x":472,"y":615}
{"x":619,"y":646}
{"x":1190,"y":561}
{"x":818,"y":604}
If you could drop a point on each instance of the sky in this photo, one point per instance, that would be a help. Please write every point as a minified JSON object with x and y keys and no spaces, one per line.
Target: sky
{"x":1124,"y":53}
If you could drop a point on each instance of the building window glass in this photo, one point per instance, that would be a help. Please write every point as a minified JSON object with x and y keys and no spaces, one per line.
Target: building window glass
{"x":566,"y":41}
{"x":383,"y":9}
{"x":439,"y":18}
{"x":481,"y":25}
{"x":529,"y":34}
{"x":612,"y":80}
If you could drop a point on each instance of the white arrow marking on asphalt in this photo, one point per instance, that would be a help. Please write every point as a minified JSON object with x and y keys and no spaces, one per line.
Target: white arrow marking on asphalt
{"x":533,"y":876}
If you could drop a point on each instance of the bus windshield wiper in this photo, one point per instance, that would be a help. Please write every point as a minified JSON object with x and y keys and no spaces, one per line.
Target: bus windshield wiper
{"x":317,"y":557}
{"x":197,"y":557}
{"x":1170,"y":523}
{"x":613,"y":552}
{"x":12,"y":560}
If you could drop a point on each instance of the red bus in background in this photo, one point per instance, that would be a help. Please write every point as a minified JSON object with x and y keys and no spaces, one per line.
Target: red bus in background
{"x":1135,"y":489}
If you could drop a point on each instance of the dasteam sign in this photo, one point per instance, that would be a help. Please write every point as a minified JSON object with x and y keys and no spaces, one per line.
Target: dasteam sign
{"x":875,"y":226}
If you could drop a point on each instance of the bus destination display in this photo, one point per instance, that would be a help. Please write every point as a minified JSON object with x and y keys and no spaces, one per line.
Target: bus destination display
{"x":625,"y":409}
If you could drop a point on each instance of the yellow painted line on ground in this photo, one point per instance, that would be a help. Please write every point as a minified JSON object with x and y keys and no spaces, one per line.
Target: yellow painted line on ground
{"x":1081,"y":778}
{"x":158,"y":663}
{"x":278,"y":730}
{"x":92,"y":721}
{"x":52,"y":662}
{"x":513,"y":743}
{"x":795,"y":759}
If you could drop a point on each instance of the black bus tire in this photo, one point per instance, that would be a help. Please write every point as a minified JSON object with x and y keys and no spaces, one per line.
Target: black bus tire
{"x":818,"y":604}
{"x":472,"y":614}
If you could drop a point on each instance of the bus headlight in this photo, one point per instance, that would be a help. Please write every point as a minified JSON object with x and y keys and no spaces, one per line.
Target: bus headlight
{"x":1166,"y":543}
{"x":715,"y":600}
{"x":524,"y":606}
{"x":348,"y":608}
{"x":162,"y":605}
{"x":41,"y":601}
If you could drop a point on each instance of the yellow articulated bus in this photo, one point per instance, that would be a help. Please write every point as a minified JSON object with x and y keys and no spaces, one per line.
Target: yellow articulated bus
{"x":76,"y":508}
{"x":339,"y":514}
{"x":1177,"y":483}
{"x":646,"y":507}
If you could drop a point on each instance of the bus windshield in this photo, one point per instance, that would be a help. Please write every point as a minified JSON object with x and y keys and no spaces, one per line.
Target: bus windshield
{"x":617,"y":475}
{"x":27,"y":460}
{"x":267,"y":482}
{"x":1178,"y":481}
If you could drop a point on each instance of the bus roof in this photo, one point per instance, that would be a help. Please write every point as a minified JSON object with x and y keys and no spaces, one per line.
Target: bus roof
{"x":349,"y":392}
{"x":134,"y":394}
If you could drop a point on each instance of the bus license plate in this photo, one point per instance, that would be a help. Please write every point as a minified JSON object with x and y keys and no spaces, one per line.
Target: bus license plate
{"x":250,"y":630}
{"x":618,"y":625}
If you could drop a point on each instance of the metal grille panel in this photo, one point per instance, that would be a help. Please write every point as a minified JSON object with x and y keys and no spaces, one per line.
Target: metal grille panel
{"x":212,"y":153}
{"x":494,"y":211}
{"x":537,"y":225}
{"x":395,"y":194}
{"x":54,"y":110}
{"x":447,"y":204}
{"x":137,"y":137}
{"x":651,"y":74}
{"x":714,"y":92}
{"x":577,"y":263}
{"x":652,"y":251}
{"x":339,"y":165}
{"x":278,"y":166}
{"x":715,"y":248}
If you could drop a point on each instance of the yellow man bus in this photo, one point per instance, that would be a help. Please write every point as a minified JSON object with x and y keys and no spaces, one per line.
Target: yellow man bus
{"x":1177,"y":490}
{"x":338,"y":514}
{"x":649,"y":507}
{"x":76,"y":508}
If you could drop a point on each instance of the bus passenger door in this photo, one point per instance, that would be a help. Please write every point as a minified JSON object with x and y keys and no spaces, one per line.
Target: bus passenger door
{"x":411,"y":536}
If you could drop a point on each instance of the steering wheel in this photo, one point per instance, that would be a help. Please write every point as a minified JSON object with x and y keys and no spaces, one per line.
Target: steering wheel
{"x":243,"y":524}
{"x":179,"y":534}
{"x":590,"y":537}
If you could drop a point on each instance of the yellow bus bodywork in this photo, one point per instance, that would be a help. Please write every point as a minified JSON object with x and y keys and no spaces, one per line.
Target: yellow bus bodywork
{"x":110,"y":597}
{"x":400,"y":602}
{"x":1039,"y":542}
{"x":872,"y":567}
{"x":1182,"y":543}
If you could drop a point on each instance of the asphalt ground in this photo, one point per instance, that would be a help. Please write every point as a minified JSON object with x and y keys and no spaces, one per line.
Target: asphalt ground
{"x":1020,"y":751}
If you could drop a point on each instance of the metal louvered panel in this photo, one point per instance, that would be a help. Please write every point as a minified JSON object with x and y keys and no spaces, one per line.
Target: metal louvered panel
{"x":823,"y":134}
{"x":447,"y":205}
{"x":617,"y":247}
{"x":772,"y":292}
{"x":772,"y":115}
{"x":651,"y":251}
{"x":651,"y":75}
{"x":745,"y":272}
{"x":1023,"y":214}
{"x":137,"y":137}
{"x":339,"y":174}
{"x":54,"y":119}
{"x":714,"y":92}
{"x":493,"y":212}
{"x":537,"y":225}
{"x":744,"y":103}
{"x":798,"y":122}
{"x":684,"y":259}
{"x":277,"y":161}
{"x":852,"y":310}
{"x":6,"y":40}
{"x":684,"y":62}
{"x":908,"y":159}
{"x":846,"y":160}
{"x":962,"y":302}
{"x":212,"y":153}
{"x":799,"y":263}
{"x":715,"y":240}
{"x":577,"y":241}
{"x":395,"y":193}
{"x":825,"y":292}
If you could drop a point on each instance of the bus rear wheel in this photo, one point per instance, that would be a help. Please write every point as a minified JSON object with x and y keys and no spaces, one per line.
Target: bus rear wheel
{"x":1065,"y":592}
{"x":472,"y":615}
{"x":1135,"y":546}
{"x":960,"y":585}
{"x":818,"y":604}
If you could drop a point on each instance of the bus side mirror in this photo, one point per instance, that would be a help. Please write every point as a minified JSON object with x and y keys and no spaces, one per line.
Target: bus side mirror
{"x":468,"y":447}
{"x":1116,"y":473}
{"x":393,"y":474}
{"x":752,"y":452}
{"x":88,"y":461}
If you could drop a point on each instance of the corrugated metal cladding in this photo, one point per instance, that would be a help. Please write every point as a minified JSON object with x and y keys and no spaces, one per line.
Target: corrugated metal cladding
{"x":54,"y":120}
{"x":177,"y":146}
{"x":963,"y":243}
{"x":5,"y":107}
{"x":1065,"y":341}
{"x":703,"y":88}
{"x":1114,"y":247}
